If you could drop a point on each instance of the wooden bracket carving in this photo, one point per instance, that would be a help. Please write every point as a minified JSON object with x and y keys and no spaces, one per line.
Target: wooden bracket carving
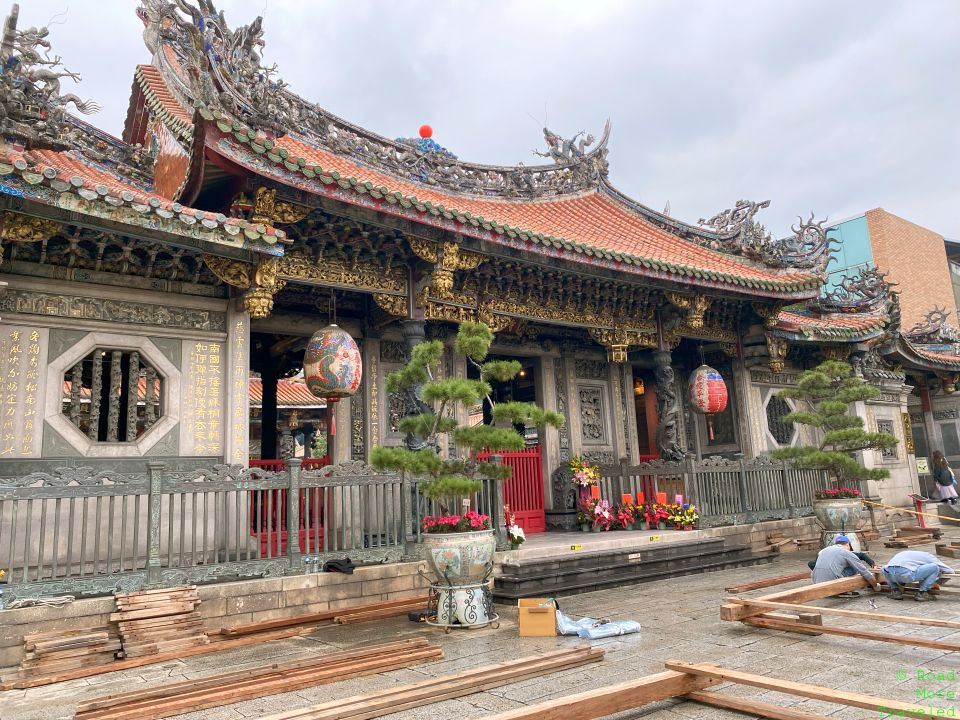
{"x":26,"y":228}
{"x":694,"y":307}
{"x":232,"y":272}
{"x":618,"y":341}
{"x":395,"y":305}
{"x":777,"y":350}
{"x":267,"y":283}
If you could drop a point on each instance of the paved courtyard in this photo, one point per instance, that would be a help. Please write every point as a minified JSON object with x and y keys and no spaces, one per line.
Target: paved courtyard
{"x":680,"y":620}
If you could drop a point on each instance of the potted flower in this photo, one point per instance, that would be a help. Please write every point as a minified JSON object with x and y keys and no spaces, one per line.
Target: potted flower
{"x":690,"y":516}
{"x":830,"y":391}
{"x":602,"y":516}
{"x":584,"y":476}
{"x":585,"y":513}
{"x":459,"y":551}
{"x":516,"y":536}
{"x":675,"y":515}
{"x":624,"y":516}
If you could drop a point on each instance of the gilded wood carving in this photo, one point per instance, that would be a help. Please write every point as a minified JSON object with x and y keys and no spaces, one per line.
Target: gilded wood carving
{"x":26,"y":228}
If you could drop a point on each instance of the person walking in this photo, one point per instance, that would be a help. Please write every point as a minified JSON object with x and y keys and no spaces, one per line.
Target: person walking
{"x":944,"y":478}
{"x":916,"y":566}
{"x":839,"y":561}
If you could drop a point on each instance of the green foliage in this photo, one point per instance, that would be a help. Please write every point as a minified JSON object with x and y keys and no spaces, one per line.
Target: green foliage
{"x":449,"y":481}
{"x":319,"y":448}
{"x":830,"y":389}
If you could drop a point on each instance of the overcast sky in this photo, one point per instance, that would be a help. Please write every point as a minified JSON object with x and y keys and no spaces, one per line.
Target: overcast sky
{"x":828,"y":106}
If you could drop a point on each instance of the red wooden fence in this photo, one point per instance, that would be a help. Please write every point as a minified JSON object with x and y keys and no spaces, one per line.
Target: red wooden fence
{"x":648,"y":481}
{"x":268,"y":515}
{"x":523,"y":492}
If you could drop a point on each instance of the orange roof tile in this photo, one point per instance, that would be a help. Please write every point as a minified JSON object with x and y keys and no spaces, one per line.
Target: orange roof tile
{"x":161,"y":99}
{"x":839,"y":326}
{"x":290,"y":393}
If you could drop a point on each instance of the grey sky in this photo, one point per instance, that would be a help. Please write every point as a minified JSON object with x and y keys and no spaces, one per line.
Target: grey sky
{"x":835,"y":107}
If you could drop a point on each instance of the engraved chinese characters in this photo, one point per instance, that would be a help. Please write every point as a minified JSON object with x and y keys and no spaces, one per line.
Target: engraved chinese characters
{"x":203,"y":408}
{"x":22,"y":352}
{"x":239,"y":392}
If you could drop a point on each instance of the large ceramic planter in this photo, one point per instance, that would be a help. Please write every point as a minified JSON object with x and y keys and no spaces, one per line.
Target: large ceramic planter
{"x":460,"y":558}
{"x":840,"y":514}
{"x":462,"y":563}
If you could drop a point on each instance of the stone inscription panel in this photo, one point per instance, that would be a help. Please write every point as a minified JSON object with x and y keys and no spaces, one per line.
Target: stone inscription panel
{"x":202,"y":418}
{"x":23,"y":357}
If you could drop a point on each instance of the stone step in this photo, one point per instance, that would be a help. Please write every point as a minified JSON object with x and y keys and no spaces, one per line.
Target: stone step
{"x":530,"y":580}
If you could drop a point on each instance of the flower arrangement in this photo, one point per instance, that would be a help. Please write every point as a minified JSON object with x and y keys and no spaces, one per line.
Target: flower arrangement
{"x":624,"y":516}
{"x":836,"y":493}
{"x":585,"y":475}
{"x":516,"y":536}
{"x":655,"y":513}
{"x":689,"y":515}
{"x":468,"y":522}
{"x":585,"y":513}
{"x":602,"y":515}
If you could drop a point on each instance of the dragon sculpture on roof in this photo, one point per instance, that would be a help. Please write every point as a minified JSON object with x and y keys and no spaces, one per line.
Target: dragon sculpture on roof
{"x":735,"y":231}
{"x":934,"y":329}
{"x":867,"y":290}
{"x":32,"y":106}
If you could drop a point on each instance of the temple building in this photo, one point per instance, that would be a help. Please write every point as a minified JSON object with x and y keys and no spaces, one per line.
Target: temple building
{"x":150,"y":277}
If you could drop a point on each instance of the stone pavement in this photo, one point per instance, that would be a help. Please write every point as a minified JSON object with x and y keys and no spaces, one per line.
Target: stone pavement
{"x":680,"y":619}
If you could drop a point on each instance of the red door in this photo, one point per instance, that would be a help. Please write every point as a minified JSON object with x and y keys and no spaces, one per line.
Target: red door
{"x":523,"y":492}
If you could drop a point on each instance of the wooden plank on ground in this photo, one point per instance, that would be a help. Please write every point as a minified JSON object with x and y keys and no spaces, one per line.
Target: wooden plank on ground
{"x":950,"y":551}
{"x":212,"y":647}
{"x":327,"y":615}
{"x":405,"y":697}
{"x":814,"y":692}
{"x":737,"y":611}
{"x":769,"y":582}
{"x":610,"y":699}
{"x":879,"y":617}
{"x":789,"y":626}
{"x":753,"y":708}
{"x":231,"y":688}
{"x":376,"y":615}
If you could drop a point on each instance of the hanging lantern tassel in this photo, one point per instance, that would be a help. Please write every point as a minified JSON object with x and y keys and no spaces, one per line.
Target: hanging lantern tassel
{"x":708,"y":393}
{"x":331,"y":418}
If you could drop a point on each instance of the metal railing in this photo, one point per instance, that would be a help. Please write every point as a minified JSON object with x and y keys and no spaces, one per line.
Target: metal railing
{"x":726,"y":492}
{"x":81,"y":531}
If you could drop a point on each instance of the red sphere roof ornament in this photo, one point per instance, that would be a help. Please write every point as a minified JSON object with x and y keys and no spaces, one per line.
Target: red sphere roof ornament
{"x":426,"y":131}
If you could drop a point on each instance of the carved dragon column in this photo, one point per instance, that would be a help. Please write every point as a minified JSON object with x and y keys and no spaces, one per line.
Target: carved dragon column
{"x":668,"y":407}
{"x":414,"y":333}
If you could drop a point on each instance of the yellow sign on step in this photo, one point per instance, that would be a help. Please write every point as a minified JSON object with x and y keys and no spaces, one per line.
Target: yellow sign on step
{"x":576,"y":547}
{"x":654,"y":538}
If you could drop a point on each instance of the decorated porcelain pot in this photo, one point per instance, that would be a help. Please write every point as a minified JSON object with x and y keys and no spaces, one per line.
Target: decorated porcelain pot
{"x":460,"y":558}
{"x":332,"y":366}
{"x":838,"y":513}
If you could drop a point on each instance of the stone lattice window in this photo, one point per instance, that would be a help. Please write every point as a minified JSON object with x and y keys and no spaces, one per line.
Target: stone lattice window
{"x":112,"y":395}
{"x":886,"y":426}
{"x":782,"y":430}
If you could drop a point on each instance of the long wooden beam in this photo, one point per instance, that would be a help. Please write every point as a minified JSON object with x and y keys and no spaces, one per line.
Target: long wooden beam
{"x":610,"y":699}
{"x":772,"y":624}
{"x":736,"y":611}
{"x":768,"y":582}
{"x":876,"y":705}
{"x":405,"y":697}
{"x":324,"y":616}
{"x":880,"y":617}
{"x":752,"y":707}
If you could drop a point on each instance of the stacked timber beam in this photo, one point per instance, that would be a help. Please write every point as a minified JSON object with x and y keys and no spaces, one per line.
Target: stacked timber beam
{"x":446,"y":687}
{"x":910,"y":536}
{"x":157,"y":621}
{"x":687,"y":681}
{"x":61,"y":650}
{"x":225,"y":689}
{"x":950,"y":551}
{"x":230,"y":638}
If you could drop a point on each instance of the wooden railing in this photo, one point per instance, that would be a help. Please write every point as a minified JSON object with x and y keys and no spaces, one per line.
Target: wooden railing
{"x":80,"y":531}
{"x":727,"y":492}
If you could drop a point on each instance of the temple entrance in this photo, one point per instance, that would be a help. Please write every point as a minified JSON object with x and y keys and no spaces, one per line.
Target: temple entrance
{"x":523,"y":492}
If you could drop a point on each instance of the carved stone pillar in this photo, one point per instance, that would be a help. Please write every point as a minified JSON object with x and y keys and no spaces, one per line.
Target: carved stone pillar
{"x":668,"y":408}
{"x":414,"y":333}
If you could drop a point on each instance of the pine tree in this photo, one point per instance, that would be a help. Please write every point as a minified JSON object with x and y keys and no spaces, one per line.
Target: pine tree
{"x":449,"y":481}
{"x":830,"y":389}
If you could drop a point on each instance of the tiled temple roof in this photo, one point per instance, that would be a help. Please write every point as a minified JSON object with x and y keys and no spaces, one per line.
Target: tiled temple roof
{"x":832,"y":326}
{"x":290,"y":393}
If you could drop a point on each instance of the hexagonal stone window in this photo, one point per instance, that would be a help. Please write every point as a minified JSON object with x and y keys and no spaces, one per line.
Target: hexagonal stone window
{"x":781,"y":430}
{"x":112,"y":395}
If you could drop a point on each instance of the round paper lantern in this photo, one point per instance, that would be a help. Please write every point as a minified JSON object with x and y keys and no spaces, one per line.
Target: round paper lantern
{"x":708,"y":393}
{"x":426,"y":131}
{"x":332,"y":367}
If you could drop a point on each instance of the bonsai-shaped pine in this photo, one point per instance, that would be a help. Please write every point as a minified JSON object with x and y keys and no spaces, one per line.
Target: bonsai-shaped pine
{"x":830,"y":389}
{"x":448,"y":482}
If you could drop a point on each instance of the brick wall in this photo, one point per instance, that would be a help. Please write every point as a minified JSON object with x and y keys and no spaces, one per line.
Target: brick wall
{"x":233,"y":603}
{"x":916,"y":261}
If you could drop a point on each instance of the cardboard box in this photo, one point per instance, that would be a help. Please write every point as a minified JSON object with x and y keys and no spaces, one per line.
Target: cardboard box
{"x":537,"y":617}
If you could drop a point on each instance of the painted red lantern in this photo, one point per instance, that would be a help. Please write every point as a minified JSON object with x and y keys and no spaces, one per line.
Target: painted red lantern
{"x":426,"y":131}
{"x":332,"y":367}
{"x":708,"y":393}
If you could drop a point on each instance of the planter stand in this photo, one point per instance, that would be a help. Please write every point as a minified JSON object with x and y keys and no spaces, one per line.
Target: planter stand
{"x":461,"y":606}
